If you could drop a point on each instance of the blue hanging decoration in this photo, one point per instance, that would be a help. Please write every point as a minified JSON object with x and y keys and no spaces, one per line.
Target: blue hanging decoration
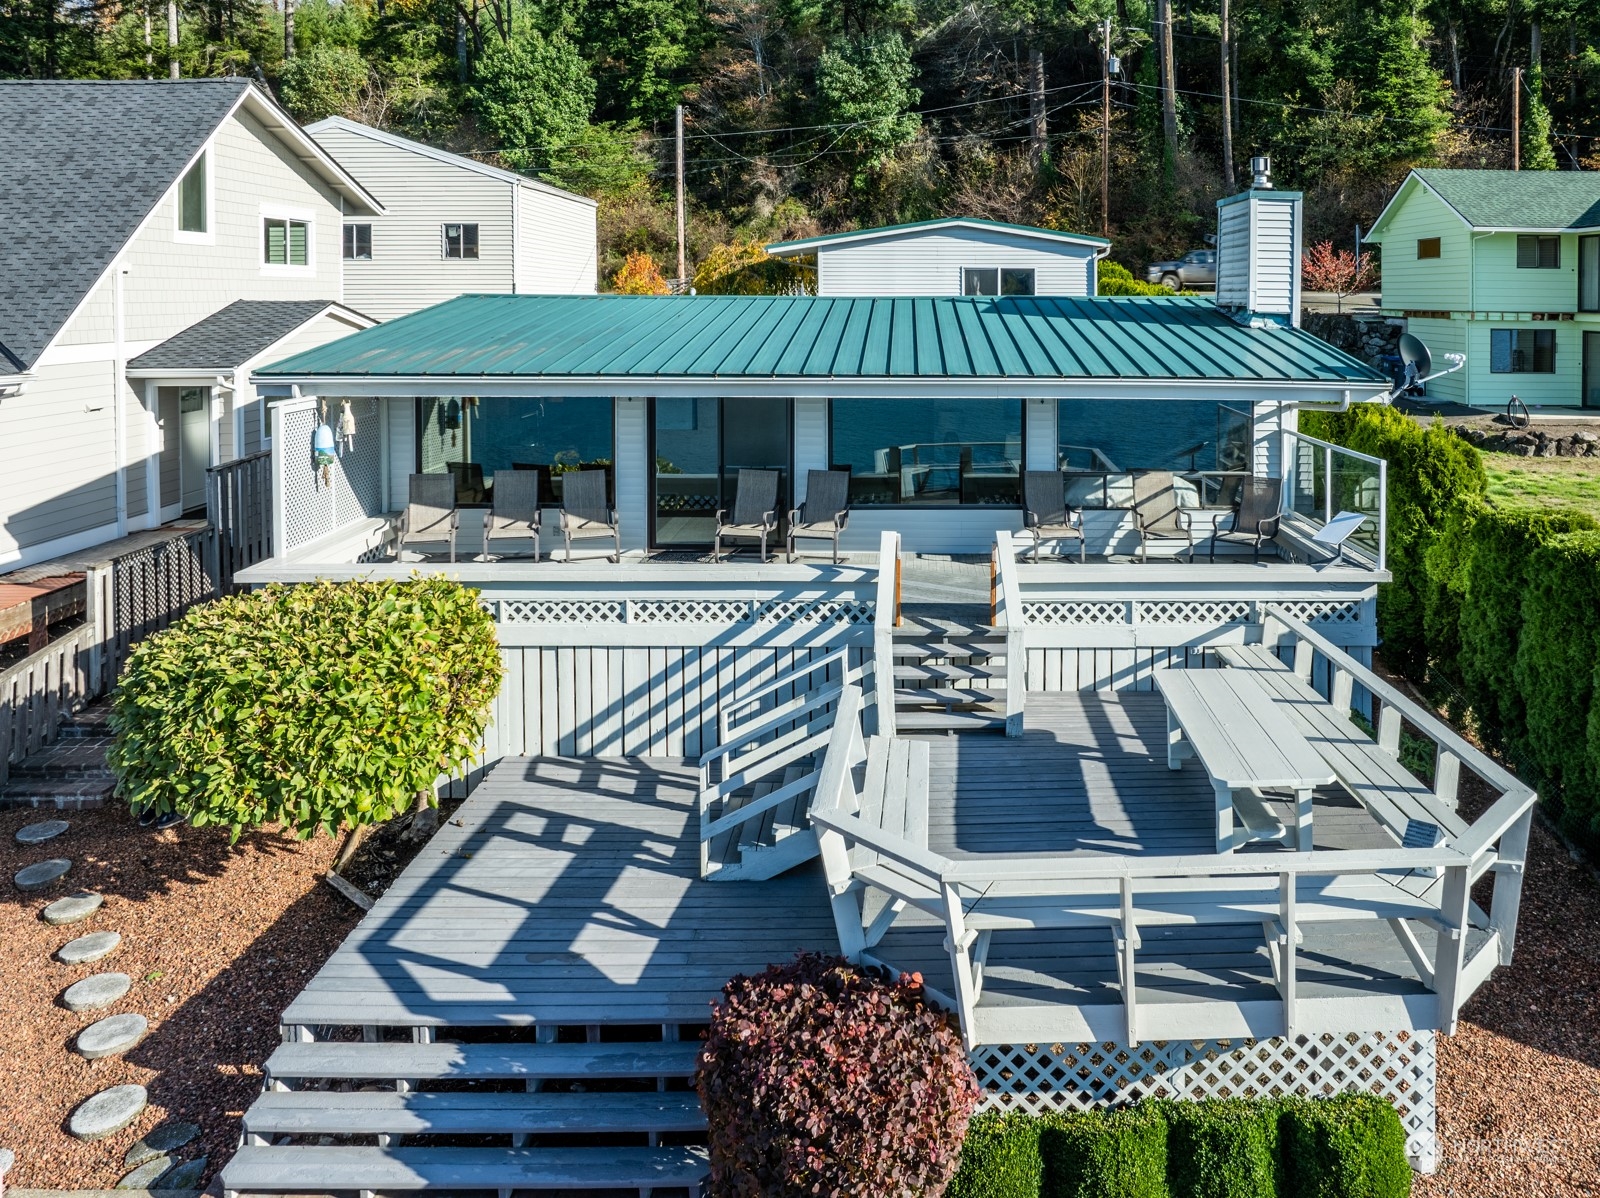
{"x":322,"y":453}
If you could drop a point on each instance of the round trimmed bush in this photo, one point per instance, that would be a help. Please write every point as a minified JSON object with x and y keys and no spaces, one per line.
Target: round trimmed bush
{"x":1347,"y":1146}
{"x":316,"y":706}
{"x":1119,"y":1153}
{"x":1222,"y":1148}
{"x":823,"y":1078}
{"x":1000,"y":1157}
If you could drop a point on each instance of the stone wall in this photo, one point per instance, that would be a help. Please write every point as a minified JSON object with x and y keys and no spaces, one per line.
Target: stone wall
{"x":1535,"y":442}
{"x":1369,"y":338}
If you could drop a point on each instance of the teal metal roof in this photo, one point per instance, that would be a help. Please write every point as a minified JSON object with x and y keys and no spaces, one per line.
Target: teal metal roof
{"x":1553,"y":200}
{"x":806,"y":244}
{"x":823,"y":337}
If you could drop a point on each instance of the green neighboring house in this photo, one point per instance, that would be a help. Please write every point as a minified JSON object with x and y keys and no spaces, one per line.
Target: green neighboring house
{"x":1504,"y":267}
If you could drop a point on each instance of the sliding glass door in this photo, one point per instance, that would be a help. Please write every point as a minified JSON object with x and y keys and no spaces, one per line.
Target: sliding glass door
{"x":699,"y":447}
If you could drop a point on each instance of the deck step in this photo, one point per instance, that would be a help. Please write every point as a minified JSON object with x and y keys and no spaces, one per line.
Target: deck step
{"x":321,"y":1170}
{"x":321,"y":1112}
{"x":433,"y":1062}
{"x":946,"y":696}
{"x":939,"y":650}
{"x":931,"y":672}
{"x":946,"y":721}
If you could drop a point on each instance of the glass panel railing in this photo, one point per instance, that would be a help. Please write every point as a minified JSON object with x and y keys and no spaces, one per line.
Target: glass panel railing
{"x":1323,"y":480}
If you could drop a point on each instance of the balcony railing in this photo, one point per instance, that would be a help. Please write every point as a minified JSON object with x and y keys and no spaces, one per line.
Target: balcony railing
{"x":1321,"y":479}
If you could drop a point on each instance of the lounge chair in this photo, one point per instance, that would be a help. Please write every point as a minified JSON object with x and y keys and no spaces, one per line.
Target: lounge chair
{"x":1045,"y":514}
{"x":755,"y":511}
{"x":430,"y":517}
{"x":826,"y":510}
{"x":1255,"y":516}
{"x":515,"y":510}
{"x":584,"y":513}
{"x":1156,"y":512}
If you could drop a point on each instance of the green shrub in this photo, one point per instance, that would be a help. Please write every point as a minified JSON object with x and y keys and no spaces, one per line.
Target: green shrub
{"x":1105,"y":1154}
{"x":999,"y":1158}
{"x":1113,"y":278}
{"x":1348,"y":1146}
{"x":819,"y":1077}
{"x":313,"y":706}
{"x":1226,"y":1148}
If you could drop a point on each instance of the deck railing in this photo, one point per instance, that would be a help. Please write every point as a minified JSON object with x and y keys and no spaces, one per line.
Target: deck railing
{"x":886,"y":616}
{"x":1006,"y":616}
{"x":239,"y":506}
{"x":1321,"y":479}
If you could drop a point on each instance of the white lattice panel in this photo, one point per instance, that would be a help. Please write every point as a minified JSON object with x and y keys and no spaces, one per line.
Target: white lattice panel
{"x":1075,"y":613}
{"x":358,"y":475}
{"x":688,"y":611}
{"x":814,"y":611}
{"x":1192,"y":611}
{"x":305,"y":502}
{"x":561,"y":611}
{"x":1332,"y":611}
{"x":1401,"y":1066}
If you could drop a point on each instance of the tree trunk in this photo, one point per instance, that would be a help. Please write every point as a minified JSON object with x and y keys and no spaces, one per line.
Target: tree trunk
{"x":149,"y":44}
{"x":172,"y":38}
{"x":1038,"y":132}
{"x":1227,"y":103}
{"x":1535,"y":45}
{"x":288,"y":30}
{"x":352,"y":841}
{"x":461,"y":48}
{"x":1455,"y":56}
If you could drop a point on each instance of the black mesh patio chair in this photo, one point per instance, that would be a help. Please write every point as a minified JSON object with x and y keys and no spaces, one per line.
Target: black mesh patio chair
{"x":755,"y":512}
{"x":1045,"y":514}
{"x":1255,"y":516}
{"x":584,"y":513}
{"x":1156,"y":511}
{"x":430,"y":517}
{"x":826,"y":510}
{"x":514,"y":511}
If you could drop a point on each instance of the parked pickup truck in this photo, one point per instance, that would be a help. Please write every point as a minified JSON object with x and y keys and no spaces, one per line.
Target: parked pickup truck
{"x":1197,"y":268}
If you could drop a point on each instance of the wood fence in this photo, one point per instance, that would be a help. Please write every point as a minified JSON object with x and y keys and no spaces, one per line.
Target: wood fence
{"x":239,"y":506}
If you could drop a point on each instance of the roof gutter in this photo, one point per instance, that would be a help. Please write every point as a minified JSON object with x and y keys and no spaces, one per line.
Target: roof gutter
{"x":13,"y":385}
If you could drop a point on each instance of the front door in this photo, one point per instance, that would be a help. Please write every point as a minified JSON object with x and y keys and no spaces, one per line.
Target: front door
{"x":194,"y":438}
{"x":1591,"y":370}
{"x":700,"y":445}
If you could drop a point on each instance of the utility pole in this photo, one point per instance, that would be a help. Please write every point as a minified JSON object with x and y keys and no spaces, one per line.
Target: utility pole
{"x":1227,"y":104}
{"x":172,"y":38}
{"x":683,"y":273}
{"x":1105,"y":127}
{"x":1038,"y":139}
{"x":1169,"y":83}
{"x":1516,"y":118}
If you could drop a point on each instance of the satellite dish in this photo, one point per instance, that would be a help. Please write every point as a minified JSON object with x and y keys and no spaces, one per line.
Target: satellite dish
{"x":1415,"y":355}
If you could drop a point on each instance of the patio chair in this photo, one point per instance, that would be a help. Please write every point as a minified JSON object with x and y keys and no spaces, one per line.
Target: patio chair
{"x":826,"y":511}
{"x":584,"y":512}
{"x":1045,"y":514}
{"x":1156,"y":512}
{"x":515,"y":510}
{"x":1255,"y":515}
{"x":430,"y":517}
{"x":755,"y":511}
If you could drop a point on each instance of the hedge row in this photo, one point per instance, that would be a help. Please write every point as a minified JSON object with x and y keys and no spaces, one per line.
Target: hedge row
{"x":1496,"y":606}
{"x":1348,"y":1146}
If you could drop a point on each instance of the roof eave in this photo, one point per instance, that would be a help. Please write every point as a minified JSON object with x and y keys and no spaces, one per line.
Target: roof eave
{"x":362,"y":202}
{"x":810,"y":245}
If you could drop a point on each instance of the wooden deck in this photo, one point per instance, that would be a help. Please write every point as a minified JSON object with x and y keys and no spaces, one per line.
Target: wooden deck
{"x":565,"y":891}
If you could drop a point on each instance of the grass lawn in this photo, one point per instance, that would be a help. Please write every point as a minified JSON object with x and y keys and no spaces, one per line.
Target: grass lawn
{"x":1544,"y":483}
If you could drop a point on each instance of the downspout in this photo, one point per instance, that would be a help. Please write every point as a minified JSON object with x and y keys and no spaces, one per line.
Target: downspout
{"x":1100,"y":255}
{"x":516,"y":233}
{"x":119,"y":422}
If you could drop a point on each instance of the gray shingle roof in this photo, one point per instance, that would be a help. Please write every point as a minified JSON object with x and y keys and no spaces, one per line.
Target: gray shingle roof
{"x":229,"y":337}
{"x":84,"y":163}
{"x":1520,"y":199}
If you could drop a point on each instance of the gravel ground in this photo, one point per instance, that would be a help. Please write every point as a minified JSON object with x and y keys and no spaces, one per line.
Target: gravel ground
{"x":217,"y":939}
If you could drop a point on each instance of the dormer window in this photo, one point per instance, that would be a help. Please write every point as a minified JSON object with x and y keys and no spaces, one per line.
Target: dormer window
{"x":193,"y":206}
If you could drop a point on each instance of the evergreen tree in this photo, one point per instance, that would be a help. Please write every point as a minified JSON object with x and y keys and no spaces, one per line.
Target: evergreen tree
{"x":864,"y":88}
{"x":1537,"y":155}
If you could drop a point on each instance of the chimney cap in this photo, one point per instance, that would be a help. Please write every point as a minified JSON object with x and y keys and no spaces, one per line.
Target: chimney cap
{"x":1261,"y":168}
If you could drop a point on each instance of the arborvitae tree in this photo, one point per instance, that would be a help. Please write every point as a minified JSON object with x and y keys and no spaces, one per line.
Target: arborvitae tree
{"x":1537,"y":154}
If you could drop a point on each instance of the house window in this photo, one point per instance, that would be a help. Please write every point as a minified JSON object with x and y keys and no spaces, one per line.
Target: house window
{"x":1589,"y":274}
{"x":192,"y":198}
{"x":1522,"y":351}
{"x":991,"y":280}
{"x":1538,"y":252}
{"x":472,"y":439}
{"x":285,"y":242}
{"x":1427,"y":247}
{"x":1113,"y":436}
{"x":358,"y":243}
{"x":929,"y":452}
{"x":461,"y":241}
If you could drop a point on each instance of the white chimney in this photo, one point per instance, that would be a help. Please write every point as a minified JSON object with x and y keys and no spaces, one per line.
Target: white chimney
{"x":1258,"y":252}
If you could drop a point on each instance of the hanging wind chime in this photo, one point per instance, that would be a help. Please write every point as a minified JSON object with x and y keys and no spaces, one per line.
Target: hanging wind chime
{"x":323,"y":449}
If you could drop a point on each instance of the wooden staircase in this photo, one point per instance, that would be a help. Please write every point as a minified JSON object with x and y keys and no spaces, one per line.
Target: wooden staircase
{"x":564,"y":1114}
{"x":949,"y":674}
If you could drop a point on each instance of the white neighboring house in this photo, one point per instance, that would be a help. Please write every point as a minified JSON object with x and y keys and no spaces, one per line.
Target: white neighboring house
{"x":452,"y":226}
{"x":163,"y":237}
{"x":957,"y":255}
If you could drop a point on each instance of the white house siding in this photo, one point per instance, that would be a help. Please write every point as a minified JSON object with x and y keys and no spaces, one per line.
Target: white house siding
{"x":408,"y":269}
{"x":930,"y":263}
{"x":1429,"y":284}
{"x":558,"y":244}
{"x":1442,"y":336}
{"x":243,"y":412}
{"x":810,"y":441}
{"x":1490,"y":390}
{"x":632,"y":472}
{"x":93,"y":323}
{"x":402,"y":419}
{"x":1258,"y":252}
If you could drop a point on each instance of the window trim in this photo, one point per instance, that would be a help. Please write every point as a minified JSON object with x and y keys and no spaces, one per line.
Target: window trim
{"x":1022,"y":457}
{"x":1593,"y":275}
{"x":1539,"y":239}
{"x":189,"y":236}
{"x":477,"y":241}
{"x":300,"y":216}
{"x":1430,"y":249}
{"x":1033,"y":280}
{"x":1514,"y":333}
{"x":345,"y":247}
{"x":972,"y":270}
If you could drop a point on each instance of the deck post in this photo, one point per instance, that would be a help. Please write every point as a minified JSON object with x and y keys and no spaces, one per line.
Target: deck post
{"x":1451,"y":954}
{"x":1127,"y":945}
{"x":1446,"y":777}
{"x":1509,"y":868}
{"x":1287,"y":933}
{"x":1389,"y":729}
{"x":886,"y":610}
{"x":959,"y":941}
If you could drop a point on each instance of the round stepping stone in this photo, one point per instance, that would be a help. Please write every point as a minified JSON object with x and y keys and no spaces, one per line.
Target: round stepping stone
{"x":111,"y":1036}
{"x":39,"y":833}
{"x":95,"y":992}
{"x":37,"y":877}
{"x":108,"y":1112}
{"x":185,"y":1177}
{"x":145,"y":1176}
{"x":75,"y":908}
{"x":88,"y":948}
{"x":161,"y":1140}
